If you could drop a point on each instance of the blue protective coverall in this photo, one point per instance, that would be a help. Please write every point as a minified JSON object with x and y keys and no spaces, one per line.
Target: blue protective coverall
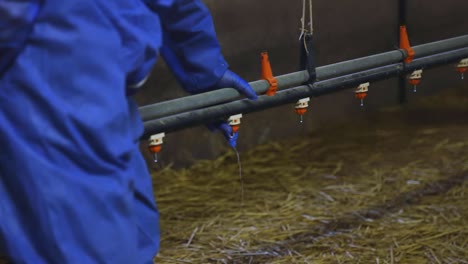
{"x":74,"y":187}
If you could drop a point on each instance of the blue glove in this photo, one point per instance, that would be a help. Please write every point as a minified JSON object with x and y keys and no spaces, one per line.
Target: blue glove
{"x":232,"y":80}
{"x":226,"y":129}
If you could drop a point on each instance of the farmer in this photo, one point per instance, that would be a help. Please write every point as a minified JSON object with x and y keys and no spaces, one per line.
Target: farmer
{"x":74,"y":187}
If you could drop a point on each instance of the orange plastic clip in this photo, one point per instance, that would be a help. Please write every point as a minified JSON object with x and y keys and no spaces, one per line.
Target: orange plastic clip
{"x":235,"y":128}
{"x":155,"y":149}
{"x":414,"y":82}
{"x":462,"y":69}
{"x":405,"y":44}
{"x":300,"y":111}
{"x":360,"y":95}
{"x":267,"y":74}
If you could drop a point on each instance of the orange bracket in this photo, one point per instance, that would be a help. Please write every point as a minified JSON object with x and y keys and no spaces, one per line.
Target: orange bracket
{"x":405,"y":44}
{"x":267,"y":74}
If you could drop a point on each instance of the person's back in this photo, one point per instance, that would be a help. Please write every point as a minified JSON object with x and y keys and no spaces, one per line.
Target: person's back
{"x":67,"y":125}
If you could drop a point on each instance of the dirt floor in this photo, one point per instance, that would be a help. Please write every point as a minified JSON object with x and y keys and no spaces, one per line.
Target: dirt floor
{"x":390,"y":188}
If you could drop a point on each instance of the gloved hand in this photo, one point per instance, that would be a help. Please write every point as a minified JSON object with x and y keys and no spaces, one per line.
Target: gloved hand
{"x":232,"y":80}
{"x":226,"y":129}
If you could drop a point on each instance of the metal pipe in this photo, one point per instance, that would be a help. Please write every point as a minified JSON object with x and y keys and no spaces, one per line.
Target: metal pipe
{"x":187,"y":103}
{"x":213,"y":113}
{"x":440,"y":46}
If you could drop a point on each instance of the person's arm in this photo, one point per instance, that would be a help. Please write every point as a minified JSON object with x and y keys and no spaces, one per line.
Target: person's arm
{"x":16,"y":21}
{"x":191,"y":48}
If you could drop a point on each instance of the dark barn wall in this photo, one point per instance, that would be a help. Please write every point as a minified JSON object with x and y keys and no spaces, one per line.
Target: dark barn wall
{"x":344,"y":29}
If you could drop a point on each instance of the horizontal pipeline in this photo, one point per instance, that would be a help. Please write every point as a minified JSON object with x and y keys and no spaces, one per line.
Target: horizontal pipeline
{"x":166,"y":108}
{"x":291,"y":95}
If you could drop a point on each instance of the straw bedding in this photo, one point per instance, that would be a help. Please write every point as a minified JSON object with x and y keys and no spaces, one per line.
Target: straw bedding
{"x":389,"y":189}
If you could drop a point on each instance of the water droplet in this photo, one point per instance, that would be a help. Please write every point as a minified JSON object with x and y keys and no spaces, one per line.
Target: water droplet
{"x":463,"y":75}
{"x":414,"y":88}
{"x":302,"y":119}
{"x":362,"y":102}
{"x":155,"y":157}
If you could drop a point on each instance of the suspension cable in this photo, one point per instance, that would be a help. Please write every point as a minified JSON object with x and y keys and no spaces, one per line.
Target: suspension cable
{"x":303,"y":19}
{"x":310,"y":23}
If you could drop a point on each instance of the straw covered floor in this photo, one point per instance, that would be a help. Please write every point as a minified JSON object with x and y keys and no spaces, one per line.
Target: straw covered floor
{"x":388,"y":189}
